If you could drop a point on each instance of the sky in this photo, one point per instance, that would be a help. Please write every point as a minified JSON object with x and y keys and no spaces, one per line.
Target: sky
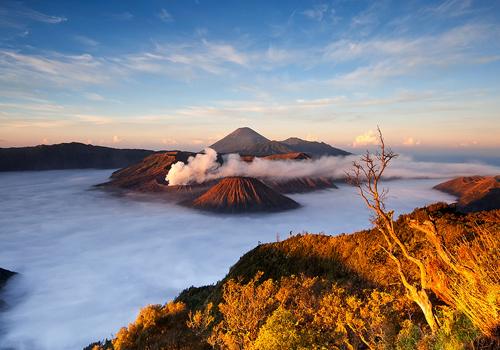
{"x":182,"y":74}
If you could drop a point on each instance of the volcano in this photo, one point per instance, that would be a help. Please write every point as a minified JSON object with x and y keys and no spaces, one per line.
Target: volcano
{"x":242,"y":194}
{"x":148,"y":175}
{"x":248,"y":142}
{"x":239,"y":140}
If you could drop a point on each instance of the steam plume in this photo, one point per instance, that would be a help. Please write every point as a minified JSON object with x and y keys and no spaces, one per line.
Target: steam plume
{"x":204,"y":167}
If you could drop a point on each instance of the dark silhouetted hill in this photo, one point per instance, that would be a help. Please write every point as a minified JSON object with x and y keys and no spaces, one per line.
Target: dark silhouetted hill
{"x":72,"y":155}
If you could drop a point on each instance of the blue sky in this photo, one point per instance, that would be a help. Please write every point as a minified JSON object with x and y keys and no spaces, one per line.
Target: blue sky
{"x":181,"y":74}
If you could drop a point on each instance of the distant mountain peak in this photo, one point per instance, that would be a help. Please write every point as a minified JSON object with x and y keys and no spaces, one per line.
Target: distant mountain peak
{"x":247,"y":132}
{"x":247,"y":141}
{"x":239,"y":139}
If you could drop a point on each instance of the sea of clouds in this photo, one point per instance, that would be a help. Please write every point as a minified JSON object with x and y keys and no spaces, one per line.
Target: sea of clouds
{"x":204,"y":167}
{"x":89,"y":260}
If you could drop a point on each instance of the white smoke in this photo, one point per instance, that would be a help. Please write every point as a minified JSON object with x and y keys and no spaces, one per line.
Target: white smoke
{"x":204,"y":167}
{"x":195,"y":171}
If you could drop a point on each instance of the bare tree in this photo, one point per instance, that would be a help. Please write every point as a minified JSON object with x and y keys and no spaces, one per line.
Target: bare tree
{"x":366,"y":175}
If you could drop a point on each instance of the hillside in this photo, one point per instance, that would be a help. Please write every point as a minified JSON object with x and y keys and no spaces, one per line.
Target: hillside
{"x":242,"y":194}
{"x":312,"y":147}
{"x":318,"y":291}
{"x":474,"y":192}
{"x":68,"y":156}
{"x":267,"y":148}
{"x":147,"y":175}
{"x":248,"y":142}
{"x":289,"y":156}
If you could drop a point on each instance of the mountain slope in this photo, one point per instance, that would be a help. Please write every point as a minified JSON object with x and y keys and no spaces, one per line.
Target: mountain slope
{"x":240,"y":139}
{"x":72,"y":155}
{"x":474,"y":192}
{"x":148,"y":175}
{"x":355,"y":262}
{"x":242,"y":194}
{"x":267,"y":148}
{"x":313,"y":148}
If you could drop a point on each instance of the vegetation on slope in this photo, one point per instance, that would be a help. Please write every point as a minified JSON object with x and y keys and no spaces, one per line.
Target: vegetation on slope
{"x":324,"y":292}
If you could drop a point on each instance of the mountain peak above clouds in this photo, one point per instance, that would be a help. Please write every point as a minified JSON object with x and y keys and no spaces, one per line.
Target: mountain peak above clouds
{"x":247,"y":141}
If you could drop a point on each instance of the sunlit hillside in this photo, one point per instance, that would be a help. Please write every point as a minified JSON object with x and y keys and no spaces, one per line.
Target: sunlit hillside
{"x":323,"y":292}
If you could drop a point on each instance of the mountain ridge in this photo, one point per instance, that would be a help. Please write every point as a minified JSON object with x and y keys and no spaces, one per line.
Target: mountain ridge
{"x":70,"y":155}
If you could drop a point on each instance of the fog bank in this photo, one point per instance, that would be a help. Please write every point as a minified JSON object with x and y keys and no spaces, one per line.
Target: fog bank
{"x":204,"y":167}
{"x":89,"y":260}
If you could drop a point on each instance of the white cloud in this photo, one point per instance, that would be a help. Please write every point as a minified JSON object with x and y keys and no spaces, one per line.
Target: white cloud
{"x":225,"y":52}
{"x":384,"y":58}
{"x":16,"y":15}
{"x":187,"y":59}
{"x":410,"y":141}
{"x":165,"y":16}
{"x":56,"y":68}
{"x":366,"y":139}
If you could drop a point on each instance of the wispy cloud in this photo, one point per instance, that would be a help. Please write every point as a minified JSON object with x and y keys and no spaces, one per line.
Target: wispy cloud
{"x":165,"y":16}
{"x":56,"y":68}
{"x":15,"y":14}
{"x":186,"y":60}
{"x":385,"y":58}
{"x":317,"y":12}
{"x":449,"y":8}
{"x":366,"y":20}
